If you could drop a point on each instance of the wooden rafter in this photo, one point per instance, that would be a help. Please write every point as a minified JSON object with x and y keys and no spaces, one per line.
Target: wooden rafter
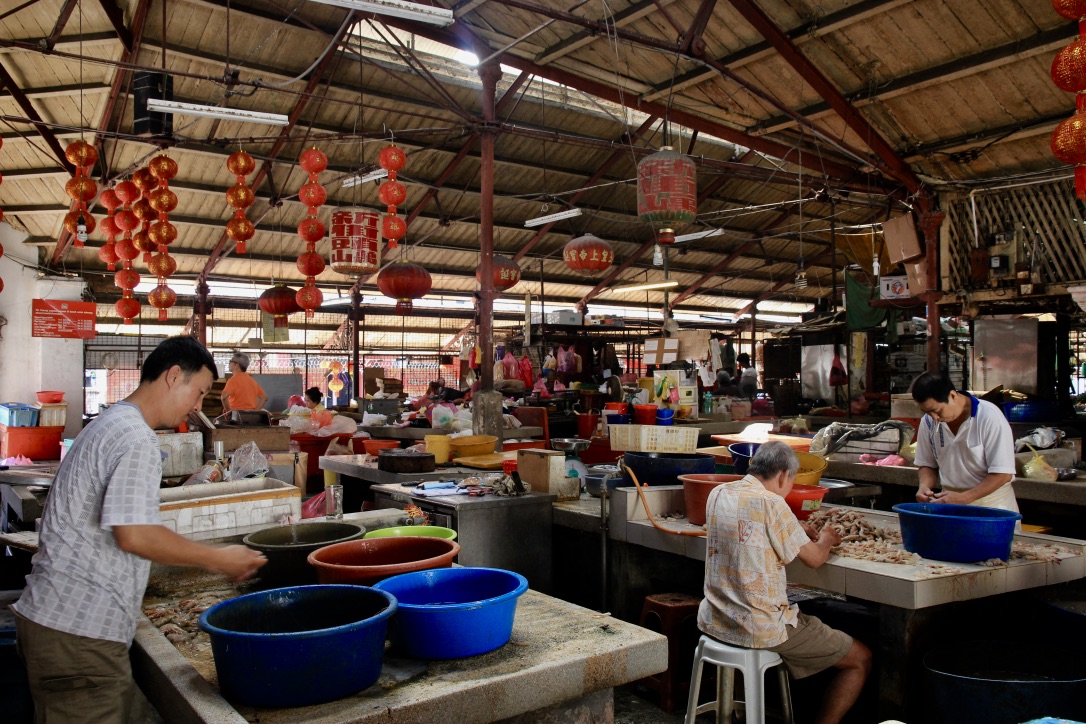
{"x":116,"y":19}
{"x":43,"y":129}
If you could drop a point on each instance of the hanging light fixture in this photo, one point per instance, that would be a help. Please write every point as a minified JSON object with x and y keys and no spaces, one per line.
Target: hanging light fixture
{"x":657,"y":255}
{"x":667,"y":192}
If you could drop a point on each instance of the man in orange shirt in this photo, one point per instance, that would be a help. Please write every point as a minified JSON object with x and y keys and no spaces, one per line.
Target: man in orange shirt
{"x":242,"y":392}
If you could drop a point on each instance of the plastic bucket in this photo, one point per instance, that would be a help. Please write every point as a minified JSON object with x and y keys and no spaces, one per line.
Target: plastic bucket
{"x":956,"y":533}
{"x":438,"y":446}
{"x":696,"y":489}
{"x":664,"y":468}
{"x":645,"y":414}
{"x":805,"y":499}
{"x":586,"y":425}
{"x":742,"y":452}
{"x":617,"y":406}
{"x":665,"y":416}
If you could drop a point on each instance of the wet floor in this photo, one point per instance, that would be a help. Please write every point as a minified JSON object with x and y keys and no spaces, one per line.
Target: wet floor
{"x":634,"y":705}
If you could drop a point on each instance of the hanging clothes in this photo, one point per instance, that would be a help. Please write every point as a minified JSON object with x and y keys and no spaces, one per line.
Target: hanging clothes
{"x":727,"y":355}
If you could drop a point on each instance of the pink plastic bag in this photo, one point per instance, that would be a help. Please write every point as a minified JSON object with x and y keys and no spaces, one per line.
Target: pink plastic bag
{"x":510,"y":368}
{"x":526,"y":371}
{"x":314,"y":507}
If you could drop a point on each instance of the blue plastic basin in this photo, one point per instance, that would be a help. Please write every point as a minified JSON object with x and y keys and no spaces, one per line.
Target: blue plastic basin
{"x":664,"y":468}
{"x":298,"y":646}
{"x":450,"y":613}
{"x":957,"y":533}
{"x":742,"y":452}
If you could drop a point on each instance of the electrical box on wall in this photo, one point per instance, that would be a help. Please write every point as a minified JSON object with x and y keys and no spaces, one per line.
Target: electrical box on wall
{"x":1000,"y":265}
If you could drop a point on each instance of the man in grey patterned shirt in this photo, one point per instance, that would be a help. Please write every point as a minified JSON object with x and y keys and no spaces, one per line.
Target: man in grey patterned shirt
{"x":99,"y":535}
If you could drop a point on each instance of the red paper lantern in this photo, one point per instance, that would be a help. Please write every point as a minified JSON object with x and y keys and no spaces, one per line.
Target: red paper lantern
{"x":240,"y":196}
{"x":109,"y":200}
{"x":392,"y":193}
{"x":142,"y":241}
{"x":1070,"y":9}
{"x":1,"y":285}
{"x":393,"y":228}
{"x":1069,"y":145}
{"x":162,"y":298}
{"x":240,"y":229}
{"x":312,"y":194}
{"x":1069,"y":67}
{"x":313,"y":161}
{"x":162,"y":233}
{"x":240,"y":164}
{"x":129,"y":308}
{"x":81,"y":188}
{"x":310,"y":264}
{"x":144,"y":181}
{"x":143,"y":211}
{"x":162,"y":265}
{"x":127,"y":279}
{"x":163,"y":168}
{"x":108,"y":255}
{"x":355,"y":248}
{"x":667,"y":192}
{"x":391,"y":159}
{"x":506,"y":273}
{"x":127,"y":192}
{"x":588,"y":254}
{"x":71,"y":221}
{"x":81,"y":154}
{"x":125,"y":220}
{"x":109,"y":227}
{"x":404,"y":281}
{"x":311,"y":229}
{"x":280,"y":301}
{"x":309,"y":298}
{"x":127,"y":250}
{"x":162,"y":200}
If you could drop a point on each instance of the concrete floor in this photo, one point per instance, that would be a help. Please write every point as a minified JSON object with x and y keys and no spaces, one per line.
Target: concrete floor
{"x":634,"y":705}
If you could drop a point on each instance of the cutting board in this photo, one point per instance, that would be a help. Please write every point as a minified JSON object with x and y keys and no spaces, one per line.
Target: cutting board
{"x":493,"y":461}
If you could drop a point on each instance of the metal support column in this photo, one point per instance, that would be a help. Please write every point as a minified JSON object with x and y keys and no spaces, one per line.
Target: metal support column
{"x":489,"y":73}
{"x":202,"y":291}
{"x":356,"y":315}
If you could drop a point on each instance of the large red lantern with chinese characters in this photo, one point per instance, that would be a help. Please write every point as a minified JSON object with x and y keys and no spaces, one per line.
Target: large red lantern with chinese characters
{"x":404,"y":281}
{"x":280,"y":302}
{"x":356,"y":248}
{"x":667,"y":192}
{"x":588,"y":254}
{"x":506,"y":273}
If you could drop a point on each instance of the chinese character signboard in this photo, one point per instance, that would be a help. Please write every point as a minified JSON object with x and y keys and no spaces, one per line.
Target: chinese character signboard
{"x":59,"y":318}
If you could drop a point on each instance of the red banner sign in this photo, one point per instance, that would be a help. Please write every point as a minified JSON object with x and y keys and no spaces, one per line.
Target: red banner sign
{"x":58,"y":318}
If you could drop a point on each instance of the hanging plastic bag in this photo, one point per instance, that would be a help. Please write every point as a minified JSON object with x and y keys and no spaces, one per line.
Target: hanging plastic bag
{"x":1038,"y":468}
{"x":499,"y":372}
{"x":838,"y":375}
{"x":563,"y":360}
{"x":510,"y":368}
{"x":525,"y":367}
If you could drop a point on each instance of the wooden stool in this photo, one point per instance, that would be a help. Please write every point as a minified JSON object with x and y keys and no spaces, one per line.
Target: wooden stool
{"x":675,"y":615}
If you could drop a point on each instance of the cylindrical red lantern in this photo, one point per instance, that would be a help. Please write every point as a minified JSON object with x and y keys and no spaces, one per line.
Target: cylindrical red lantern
{"x":128,"y":308}
{"x":280,"y":301}
{"x":240,"y":164}
{"x":309,"y":298}
{"x":392,"y":193}
{"x":391,"y":159}
{"x":312,"y":194}
{"x":404,"y":281}
{"x":667,"y":192}
{"x":588,"y":254}
{"x":356,"y":249}
{"x":310,"y":264}
{"x":311,"y":229}
{"x":162,"y":298}
{"x":506,"y":273}
{"x":313,"y":161}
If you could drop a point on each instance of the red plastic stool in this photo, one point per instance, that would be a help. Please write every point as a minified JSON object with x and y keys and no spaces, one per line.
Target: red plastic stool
{"x":675,"y":615}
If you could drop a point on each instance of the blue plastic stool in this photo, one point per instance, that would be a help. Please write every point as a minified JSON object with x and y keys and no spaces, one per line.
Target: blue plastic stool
{"x":753,"y":663}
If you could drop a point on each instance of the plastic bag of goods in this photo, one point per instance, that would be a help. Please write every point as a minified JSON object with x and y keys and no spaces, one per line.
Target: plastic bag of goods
{"x":248,"y":462}
{"x":1039,"y":469}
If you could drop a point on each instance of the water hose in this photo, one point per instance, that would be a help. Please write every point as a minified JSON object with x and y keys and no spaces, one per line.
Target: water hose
{"x":652,"y":518}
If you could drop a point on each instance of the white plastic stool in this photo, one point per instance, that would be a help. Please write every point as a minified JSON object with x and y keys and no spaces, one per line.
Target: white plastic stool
{"x":753,"y":663}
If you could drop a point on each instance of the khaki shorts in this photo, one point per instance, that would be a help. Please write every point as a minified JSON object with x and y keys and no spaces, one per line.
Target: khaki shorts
{"x":74,"y":678}
{"x":812,"y":646}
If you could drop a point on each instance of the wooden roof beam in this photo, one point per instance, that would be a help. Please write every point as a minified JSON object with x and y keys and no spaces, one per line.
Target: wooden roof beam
{"x":116,"y":18}
{"x":63,"y":16}
{"x":43,"y":129}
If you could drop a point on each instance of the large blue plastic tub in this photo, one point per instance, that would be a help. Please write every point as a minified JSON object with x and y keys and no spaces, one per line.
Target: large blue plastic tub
{"x":298,"y":646}
{"x":742,"y":452}
{"x":664,"y":468}
{"x":958,"y":533}
{"x":450,"y":613}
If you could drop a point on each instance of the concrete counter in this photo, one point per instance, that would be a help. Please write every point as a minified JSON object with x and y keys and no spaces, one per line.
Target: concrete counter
{"x":388,"y":432}
{"x":560,"y":665}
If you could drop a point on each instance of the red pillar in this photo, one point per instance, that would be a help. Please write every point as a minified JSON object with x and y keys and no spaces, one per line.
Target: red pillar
{"x":930,"y":223}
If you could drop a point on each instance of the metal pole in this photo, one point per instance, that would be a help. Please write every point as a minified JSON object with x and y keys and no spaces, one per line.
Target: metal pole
{"x":833,"y":253}
{"x":201,"y":311}
{"x":489,"y":73}
{"x":356,"y":313}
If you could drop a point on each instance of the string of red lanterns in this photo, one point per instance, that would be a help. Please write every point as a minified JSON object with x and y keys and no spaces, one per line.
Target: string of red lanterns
{"x":81,"y":189}
{"x":108,"y":251}
{"x":1069,"y":73}
{"x":392,"y":193}
{"x":128,"y":307}
{"x":1,"y":219}
{"x":311,"y":229}
{"x":240,"y":197}
{"x":145,"y":182}
{"x":161,"y":234}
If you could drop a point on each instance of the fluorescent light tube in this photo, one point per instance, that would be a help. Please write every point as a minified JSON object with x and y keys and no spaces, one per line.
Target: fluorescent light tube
{"x":352,"y":181}
{"x":226,"y":114}
{"x":397,"y":9}
{"x":698,"y":235}
{"x":644,"y":287}
{"x":541,"y":220}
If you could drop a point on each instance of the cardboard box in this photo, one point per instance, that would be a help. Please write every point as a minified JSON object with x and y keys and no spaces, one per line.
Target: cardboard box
{"x":370,"y":375}
{"x":917,"y":272}
{"x":565,"y":316}
{"x":276,"y":437}
{"x":902,"y":241}
{"x":290,"y":467}
{"x":544,"y":470}
{"x":182,"y":453}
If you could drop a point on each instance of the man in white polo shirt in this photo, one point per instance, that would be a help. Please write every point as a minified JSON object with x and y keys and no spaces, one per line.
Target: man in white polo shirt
{"x":964,"y":446}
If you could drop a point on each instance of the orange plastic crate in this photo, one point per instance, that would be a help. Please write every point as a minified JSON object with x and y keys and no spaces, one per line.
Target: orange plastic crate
{"x":36,"y":443}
